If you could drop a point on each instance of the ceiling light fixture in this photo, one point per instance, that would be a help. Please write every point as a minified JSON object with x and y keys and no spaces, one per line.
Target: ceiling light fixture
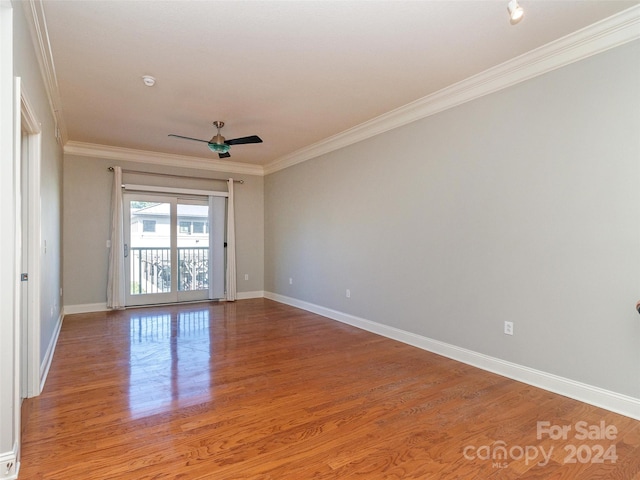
{"x":217,"y":143}
{"x":515,"y":11}
{"x":218,"y":147}
{"x":148,"y":80}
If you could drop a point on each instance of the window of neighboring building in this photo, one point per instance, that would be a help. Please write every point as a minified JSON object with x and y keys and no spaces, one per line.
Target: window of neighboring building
{"x":198,"y":227}
{"x":149,"y":226}
{"x":185,"y":227}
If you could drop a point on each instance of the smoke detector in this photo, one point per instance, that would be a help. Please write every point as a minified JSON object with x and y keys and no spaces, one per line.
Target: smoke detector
{"x":148,"y":80}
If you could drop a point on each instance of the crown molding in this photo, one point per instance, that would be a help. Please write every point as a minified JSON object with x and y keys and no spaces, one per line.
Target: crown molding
{"x":157,"y":158}
{"x":34,"y":13}
{"x":609,"y":33}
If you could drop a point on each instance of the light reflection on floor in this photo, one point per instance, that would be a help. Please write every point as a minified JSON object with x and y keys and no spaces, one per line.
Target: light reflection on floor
{"x":169,"y":361}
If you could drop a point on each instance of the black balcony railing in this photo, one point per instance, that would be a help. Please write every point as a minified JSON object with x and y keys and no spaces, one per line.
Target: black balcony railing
{"x":151,"y":269}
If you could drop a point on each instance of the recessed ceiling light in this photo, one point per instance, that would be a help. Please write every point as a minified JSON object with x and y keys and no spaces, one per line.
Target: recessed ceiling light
{"x":148,"y":80}
{"x":515,"y":11}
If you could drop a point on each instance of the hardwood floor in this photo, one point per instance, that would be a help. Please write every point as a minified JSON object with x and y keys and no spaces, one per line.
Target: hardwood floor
{"x":260,"y":390}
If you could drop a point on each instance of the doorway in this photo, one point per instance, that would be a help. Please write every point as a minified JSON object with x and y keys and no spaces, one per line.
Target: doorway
{"x":28,"y":213}
{"x":167,"y":249}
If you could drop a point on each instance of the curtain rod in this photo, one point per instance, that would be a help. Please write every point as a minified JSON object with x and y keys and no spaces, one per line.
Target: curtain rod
{"x":137,"y":172}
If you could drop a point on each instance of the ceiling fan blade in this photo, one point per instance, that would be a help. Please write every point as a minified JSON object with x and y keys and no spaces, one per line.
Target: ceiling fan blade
{"x":241,"y":140}
{"x":224,"y":155}
{"x":188,"y":138}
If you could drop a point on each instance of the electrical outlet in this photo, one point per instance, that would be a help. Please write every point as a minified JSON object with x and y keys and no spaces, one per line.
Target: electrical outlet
{"x":508,"y":328}
{"x":9,"y":471}
{"x":246,"y":276}
{"x":290,"y":281}
{"x":348,"y":293}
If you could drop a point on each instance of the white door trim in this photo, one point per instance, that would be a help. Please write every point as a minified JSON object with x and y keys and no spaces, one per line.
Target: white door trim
{"x":32,"y":127}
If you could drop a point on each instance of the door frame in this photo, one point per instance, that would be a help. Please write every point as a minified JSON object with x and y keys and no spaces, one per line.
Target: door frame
{"x":175,"y":295}
{"x":30,"y":125}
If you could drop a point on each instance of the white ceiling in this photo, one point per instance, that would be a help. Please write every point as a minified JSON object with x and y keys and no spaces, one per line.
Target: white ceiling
{"x":292,"y":72}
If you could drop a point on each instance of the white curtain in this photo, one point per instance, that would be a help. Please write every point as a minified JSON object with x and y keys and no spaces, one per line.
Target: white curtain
{"x":231,"y":246}
{"x":216,"y":247}
{"x":115,"y":280}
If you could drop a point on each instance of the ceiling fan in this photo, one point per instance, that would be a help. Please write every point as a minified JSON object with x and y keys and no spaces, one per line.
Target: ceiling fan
{"x":218,"y":143}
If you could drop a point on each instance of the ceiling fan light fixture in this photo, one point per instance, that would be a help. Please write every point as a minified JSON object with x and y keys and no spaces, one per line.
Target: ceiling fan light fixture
{"x":515,"y":11}
{"x":218,"y":147}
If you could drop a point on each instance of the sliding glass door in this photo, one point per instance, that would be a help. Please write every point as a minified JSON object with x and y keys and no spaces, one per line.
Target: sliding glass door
{"x":166,"y":249}
{"x":192,"y":242}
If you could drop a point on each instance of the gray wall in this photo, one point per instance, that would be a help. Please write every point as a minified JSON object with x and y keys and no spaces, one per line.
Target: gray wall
{"x":27,"y":68}
{"x":87,"y":197}
{"x":522,"y":205}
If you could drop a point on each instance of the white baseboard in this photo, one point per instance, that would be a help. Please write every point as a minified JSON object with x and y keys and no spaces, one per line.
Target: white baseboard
{"x":85,"y":308}
{"x":48,"y":356}
{"x":102,"y":307}
{"x":599,"y":397}
{"x":247,"y":295}
{"x":9,"y":465}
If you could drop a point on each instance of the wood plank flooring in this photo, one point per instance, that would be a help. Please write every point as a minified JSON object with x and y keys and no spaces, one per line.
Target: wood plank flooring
{"x":260,"y":390}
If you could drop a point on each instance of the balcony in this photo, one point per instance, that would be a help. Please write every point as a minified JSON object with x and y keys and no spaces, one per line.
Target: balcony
{"x":151,"y":269}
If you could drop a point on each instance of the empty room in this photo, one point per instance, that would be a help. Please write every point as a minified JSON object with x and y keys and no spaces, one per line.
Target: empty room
{"x":320,"y":239}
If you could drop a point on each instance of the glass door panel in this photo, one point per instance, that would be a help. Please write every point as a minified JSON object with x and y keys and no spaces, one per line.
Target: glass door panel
{"x":193,"y":250}
{"x":149,"y":252}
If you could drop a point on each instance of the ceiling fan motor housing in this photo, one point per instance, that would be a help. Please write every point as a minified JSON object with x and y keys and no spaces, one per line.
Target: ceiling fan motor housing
{"x":216,"y":143}
{"x":218,"y":139}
